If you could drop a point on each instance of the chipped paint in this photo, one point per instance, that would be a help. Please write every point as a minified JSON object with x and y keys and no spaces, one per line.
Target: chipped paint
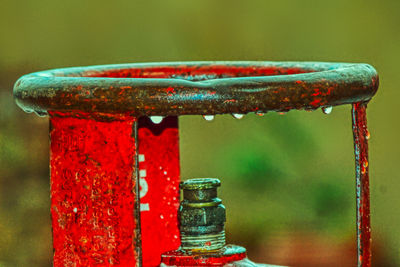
{"x":360,"y":132}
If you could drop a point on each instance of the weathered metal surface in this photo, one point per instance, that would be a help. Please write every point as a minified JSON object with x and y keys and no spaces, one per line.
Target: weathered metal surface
{"x":95,"y":207}
{"x":97,"y":95}
{"x":202,"y":226}
{"x":201,"y":216}
{"x":196,"y":87}
{"x":361,"y":136}
{"x":159,"y":187}
{"x":93,"y":192}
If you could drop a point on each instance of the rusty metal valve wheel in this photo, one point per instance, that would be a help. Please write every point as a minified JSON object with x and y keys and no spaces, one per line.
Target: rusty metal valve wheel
{"x":196,"y":87}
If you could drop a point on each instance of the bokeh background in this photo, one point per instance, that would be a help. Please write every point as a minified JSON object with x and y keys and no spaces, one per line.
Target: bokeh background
{"x":288,"y":180}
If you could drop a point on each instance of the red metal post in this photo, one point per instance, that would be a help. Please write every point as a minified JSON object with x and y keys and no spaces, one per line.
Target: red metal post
{"x":361,"y":136}
{"x":159,"y":179}
{"x":93,"y":198}
{"x":93,"y":191}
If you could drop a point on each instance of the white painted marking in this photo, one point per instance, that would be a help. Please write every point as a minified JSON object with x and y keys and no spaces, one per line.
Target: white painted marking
{"x":144,"y":187}
{"x":144,"y":207}
{"x":141,"y":157}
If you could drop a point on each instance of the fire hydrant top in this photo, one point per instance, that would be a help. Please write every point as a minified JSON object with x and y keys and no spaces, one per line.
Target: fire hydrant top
{"x":196,"y":87}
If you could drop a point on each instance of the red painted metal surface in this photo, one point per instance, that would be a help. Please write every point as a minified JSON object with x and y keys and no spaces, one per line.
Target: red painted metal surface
{"x":92,"y":192}
{"x":361,"y":136}
{"x":159,"y":179}
{"x":196,"y":72}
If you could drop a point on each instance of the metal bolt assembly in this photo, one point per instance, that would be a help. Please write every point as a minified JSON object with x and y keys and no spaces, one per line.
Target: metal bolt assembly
{"x":201,"y":215}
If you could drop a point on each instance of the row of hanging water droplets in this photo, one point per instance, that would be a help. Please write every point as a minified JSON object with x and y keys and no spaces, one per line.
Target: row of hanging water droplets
{"x":159,"y":119}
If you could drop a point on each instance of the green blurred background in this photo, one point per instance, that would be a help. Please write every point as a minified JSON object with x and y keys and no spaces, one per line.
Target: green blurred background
{"x":288,"y":180}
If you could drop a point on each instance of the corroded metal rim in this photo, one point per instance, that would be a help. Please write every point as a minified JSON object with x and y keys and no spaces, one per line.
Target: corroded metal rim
{"x":196,"y":87}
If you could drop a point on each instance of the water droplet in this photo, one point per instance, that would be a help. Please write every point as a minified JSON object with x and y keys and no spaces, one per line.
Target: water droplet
{"x":165,"y":172}
{"x":208,"y":117}
{"x":41,"y":113}
{"x":162,"y":217}
{"x":156,"y":119}
{"x":175,"y":236}
{"x":237,"y":116}
{"x":75,"y":210}
{"x":327,"y":110}
{"x":367,"y":135}
{"x":259,"y":113}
